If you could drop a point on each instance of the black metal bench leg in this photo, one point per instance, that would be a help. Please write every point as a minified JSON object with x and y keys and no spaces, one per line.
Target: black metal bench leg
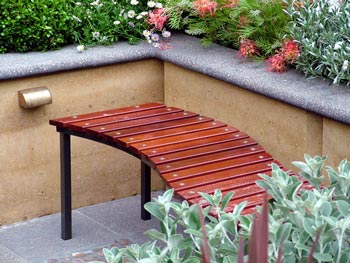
{"x":66,"y":187}
{"x":145,"y":189}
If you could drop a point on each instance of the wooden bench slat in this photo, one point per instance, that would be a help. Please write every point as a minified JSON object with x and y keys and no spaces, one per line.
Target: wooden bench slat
{"x":137,"y":147}
{"x":99,"y":130}
{"x":253,"y":201}
{"x":246,"y":190}
{"x":158,"y":127}
{"x":189,"y":153}
{"x":247,"y":183}
{"x":219,"y":176}
{"x":82,"y":125}
{"x":64,"y":122}
{"x":218,"y":166}
{"x":202,"y":142}
{"x":209,"y":158}
{"x":190,"y":129}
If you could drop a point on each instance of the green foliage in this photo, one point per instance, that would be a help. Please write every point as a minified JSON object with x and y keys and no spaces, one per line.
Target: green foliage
{"x":300,"y":222}
{"x":34,"y":25}
{"x":322,"y":29}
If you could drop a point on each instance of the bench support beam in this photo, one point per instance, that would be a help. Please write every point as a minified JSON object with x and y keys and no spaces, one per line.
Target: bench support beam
{"x":145,"y":189}
{"x":66,"y":187}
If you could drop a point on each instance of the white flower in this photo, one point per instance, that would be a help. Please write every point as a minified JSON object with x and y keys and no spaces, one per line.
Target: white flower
{"x":345,"y":65}
{"x":151,"y":4}
{"x":166,"y":34}
{"x":139,"y":17}
{"x":255,"y":12}
{"x":338,"y":45}
{"x":80,"y":48}
{"x":155,"y":37}
{"x":78,"y":3}
{"x":155,"y":44}
{"x":131,"y":13}
{"x":121,"y":12}
{"x":117,"y":22}
{"x":134,"y":2}
{"x":146,"y":33}
{"x":149,"y":41}
{"x":95,"y":34}
{"x":144,"y":13}
{"x":159,"y":5}
{"x":77,"y":19}
{"x":97,"y":2}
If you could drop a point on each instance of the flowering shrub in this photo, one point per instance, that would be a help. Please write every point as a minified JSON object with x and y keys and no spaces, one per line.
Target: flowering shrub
{"x":303,"y":225}
{"x":322,"y":28}
{"x":254,"y":27}
{"x":107,"y":21}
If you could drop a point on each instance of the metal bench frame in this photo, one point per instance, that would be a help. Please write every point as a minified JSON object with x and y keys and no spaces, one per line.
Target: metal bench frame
{"x":66,"y":178}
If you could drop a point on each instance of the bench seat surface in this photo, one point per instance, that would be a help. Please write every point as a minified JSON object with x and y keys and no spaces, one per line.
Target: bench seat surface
{"x":192,"y":153}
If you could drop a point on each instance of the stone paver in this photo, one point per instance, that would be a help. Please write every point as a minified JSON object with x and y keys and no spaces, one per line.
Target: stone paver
{"x":115,"y":223}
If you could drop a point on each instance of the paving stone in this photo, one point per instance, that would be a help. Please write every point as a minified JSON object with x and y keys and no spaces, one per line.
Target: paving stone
{"x":123,"y":217}
{"x":7,"y":256}
{"x":39,"y":239}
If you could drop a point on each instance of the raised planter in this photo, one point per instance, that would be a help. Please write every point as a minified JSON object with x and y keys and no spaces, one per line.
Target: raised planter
{"x":287,"y":113}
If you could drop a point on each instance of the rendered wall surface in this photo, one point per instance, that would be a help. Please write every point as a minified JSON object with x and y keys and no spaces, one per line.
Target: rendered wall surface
{"x":29,"y":146}
{"x":284,"y":131}
{"x":336,"y":142}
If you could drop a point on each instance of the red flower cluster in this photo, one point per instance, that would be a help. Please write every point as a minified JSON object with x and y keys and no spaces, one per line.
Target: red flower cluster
{"x":288,"y":54}
{"x":290,"y":51}
{"x":248,"y":48}
{"x":205,"y":6}
{"x":276,"y":63}
{"x":157,"y":18}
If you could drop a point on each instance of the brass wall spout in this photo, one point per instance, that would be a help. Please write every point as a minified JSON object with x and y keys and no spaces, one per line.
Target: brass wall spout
{"x":34,"y":97}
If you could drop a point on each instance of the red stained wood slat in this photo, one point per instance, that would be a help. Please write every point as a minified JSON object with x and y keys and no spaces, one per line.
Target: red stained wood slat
{"x":196,"y":144}
{"x":82,"y":125}
{"x":99,"y":130}
{"x":253,"y":201}
{"x":209,"y":158}
{"x":224,"y":175}
{"x":217,"y":166}
{"x":189,"y":153}
{"x":241,"y":185}
{"x":65,"y":121}
{"x":171,"y":132}
{"x":137,"y":147}
{"x":158,"y":126}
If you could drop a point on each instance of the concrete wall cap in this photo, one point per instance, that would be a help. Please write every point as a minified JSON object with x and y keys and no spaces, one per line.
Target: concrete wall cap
{"x":314,"y":95}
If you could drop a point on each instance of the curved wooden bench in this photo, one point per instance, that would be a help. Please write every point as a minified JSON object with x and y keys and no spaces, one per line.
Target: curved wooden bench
{"x":192,"y":153}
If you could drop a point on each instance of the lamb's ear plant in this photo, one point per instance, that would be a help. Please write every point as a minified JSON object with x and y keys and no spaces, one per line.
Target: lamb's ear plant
{"x":322,"y":29}
{"x":303,"y":225}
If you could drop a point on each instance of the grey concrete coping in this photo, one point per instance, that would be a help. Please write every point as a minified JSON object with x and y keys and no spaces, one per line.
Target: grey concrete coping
{"x":314,"y":95}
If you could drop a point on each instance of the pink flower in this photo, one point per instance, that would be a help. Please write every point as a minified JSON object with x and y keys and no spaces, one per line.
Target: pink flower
{"x":205,"y":6}
{"x":276,"y":63}
{"x":290,"y":51}
{"x":248,"y":48}
{"x":158,"y":18}
{"x":232,"y":3}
